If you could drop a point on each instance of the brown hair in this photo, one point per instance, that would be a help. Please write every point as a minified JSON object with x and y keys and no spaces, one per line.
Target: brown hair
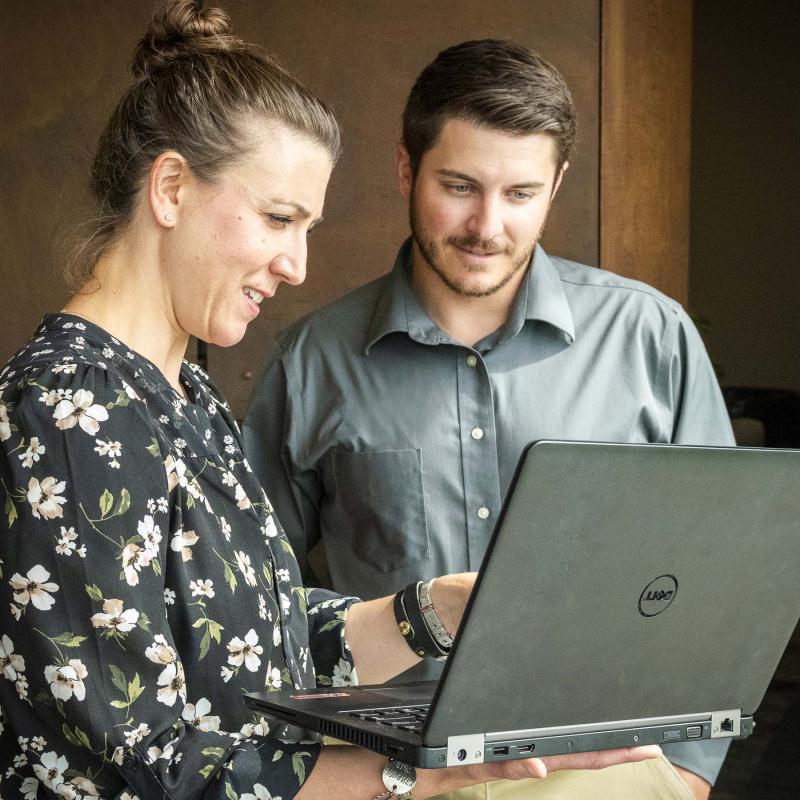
{"x":490,"y":82}
{"x":196,"y":87}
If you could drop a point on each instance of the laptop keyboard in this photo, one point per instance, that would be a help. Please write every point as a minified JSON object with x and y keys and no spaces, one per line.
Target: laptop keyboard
{"x":404,"y":718}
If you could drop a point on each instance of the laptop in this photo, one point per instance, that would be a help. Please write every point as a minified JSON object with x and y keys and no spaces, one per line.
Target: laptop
{"x":631,"y":594}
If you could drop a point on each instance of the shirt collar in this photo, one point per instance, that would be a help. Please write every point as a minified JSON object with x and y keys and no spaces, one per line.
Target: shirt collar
{"x":545,"y":299}
{"x":398,"y":310}
{"x":541,"y":297}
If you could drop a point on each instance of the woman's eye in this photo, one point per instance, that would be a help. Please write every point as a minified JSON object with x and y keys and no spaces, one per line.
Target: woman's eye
{"x":278,"y":221}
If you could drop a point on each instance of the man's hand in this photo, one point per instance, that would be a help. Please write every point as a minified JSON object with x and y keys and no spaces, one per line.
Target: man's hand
{"x":700,"y":788}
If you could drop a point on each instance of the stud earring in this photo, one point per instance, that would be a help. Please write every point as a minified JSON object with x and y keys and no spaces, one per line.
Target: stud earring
{"x":169,"y":217}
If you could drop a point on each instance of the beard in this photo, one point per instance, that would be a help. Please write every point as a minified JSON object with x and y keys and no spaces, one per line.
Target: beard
{"x":432,"y":253}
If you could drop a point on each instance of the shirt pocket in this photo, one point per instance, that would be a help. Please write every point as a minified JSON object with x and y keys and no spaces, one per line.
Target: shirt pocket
{"x":380,"y":503}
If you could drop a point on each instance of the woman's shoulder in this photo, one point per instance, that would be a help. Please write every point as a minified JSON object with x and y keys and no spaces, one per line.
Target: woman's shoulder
{"x":66,"y":353}
{"x":63,"y":360}
{"x":62,"y":394}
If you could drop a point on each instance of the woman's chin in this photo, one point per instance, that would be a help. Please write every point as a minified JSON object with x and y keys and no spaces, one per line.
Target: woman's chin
{"x":227,"y":337}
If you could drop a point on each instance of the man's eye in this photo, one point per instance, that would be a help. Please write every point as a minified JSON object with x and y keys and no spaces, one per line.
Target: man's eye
{"x":522,"y":196}
{"x":459,"y":188}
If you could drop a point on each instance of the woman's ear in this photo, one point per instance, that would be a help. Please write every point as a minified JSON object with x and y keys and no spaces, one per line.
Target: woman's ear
{"x":169,"y":175}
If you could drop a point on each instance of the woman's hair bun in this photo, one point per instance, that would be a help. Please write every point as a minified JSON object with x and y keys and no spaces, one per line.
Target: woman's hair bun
{"x":178,"y":28}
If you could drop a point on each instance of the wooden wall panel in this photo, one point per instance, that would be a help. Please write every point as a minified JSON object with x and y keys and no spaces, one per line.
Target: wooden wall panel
{"x":645,"y":141}
{"x":64,"y":65}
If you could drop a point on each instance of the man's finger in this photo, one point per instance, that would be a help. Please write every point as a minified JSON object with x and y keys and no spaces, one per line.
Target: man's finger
{"x":600,"y":759}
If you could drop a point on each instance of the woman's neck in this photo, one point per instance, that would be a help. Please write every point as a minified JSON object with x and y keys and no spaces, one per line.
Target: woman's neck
{"x":128,"y":302}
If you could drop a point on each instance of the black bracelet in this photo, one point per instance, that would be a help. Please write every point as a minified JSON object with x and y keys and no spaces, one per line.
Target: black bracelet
{"x":412,"y":626}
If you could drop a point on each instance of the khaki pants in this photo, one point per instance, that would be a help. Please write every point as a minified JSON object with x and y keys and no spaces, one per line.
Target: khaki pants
{"x":654,"y":779}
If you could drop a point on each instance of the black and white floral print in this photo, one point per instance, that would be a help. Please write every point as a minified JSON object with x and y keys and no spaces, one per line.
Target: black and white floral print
{"x":144,"y":586}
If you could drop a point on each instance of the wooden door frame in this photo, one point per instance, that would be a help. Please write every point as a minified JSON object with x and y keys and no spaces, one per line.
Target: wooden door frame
{"x":645,"y":128}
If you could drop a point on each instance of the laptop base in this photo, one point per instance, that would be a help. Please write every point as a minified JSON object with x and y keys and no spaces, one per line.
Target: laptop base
{"x":499,"y":746}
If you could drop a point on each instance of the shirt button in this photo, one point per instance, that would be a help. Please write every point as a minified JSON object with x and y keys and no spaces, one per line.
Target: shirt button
{"x":477,"y":433}
{"x":483,"y":512}
{"x":471,"y":361}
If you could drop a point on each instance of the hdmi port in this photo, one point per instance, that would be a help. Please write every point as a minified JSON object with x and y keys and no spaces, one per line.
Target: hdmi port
{"x":526,"y":748}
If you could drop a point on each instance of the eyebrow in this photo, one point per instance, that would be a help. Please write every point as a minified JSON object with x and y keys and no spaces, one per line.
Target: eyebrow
{"x":451,"y":173}
{"x":299,"y":207}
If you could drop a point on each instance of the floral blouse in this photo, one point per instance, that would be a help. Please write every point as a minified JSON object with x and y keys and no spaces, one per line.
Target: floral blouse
{"x":145,"y":585}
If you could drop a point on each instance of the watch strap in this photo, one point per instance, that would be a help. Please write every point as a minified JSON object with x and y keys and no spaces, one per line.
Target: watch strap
{"x":432,"y":620}
{"x":412,"y":625}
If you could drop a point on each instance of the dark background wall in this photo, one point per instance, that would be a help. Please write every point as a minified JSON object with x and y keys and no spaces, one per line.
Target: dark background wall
{"x":744,"y":276}
{"x":65,"y":64}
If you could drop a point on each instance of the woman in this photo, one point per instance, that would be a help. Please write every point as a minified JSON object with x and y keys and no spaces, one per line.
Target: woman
{"x":146,"y":584}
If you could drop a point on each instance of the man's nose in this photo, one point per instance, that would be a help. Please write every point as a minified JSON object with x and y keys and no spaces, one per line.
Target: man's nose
{"x":486,"y":221}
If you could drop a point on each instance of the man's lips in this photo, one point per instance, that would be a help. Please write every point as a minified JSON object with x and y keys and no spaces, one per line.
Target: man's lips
{"x":478,"y":253}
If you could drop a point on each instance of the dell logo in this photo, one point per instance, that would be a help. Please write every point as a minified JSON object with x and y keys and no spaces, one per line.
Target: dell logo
{"x":657,"y":595}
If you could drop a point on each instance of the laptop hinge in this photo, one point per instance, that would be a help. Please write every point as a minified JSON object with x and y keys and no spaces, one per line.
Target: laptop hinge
{"x":726,"y":723}
{"x":462,"y":750}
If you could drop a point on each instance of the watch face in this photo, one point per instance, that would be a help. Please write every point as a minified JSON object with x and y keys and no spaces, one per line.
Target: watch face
{"x":399,"y":778}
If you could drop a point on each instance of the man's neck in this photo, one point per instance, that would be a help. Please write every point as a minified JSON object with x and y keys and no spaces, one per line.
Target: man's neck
{"x":465,"y":319}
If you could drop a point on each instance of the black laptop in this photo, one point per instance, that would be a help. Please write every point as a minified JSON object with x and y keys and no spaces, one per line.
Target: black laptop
{"x":631,"y":594}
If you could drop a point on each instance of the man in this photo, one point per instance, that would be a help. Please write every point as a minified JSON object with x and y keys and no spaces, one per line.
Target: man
{"x":388,"y":425}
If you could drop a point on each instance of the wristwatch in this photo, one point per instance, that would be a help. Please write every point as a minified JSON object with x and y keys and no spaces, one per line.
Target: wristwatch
{"x":399,"y":779}
{"x":432,"y":619}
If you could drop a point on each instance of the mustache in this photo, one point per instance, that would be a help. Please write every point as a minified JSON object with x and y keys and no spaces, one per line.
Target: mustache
{"x":477,"y":245}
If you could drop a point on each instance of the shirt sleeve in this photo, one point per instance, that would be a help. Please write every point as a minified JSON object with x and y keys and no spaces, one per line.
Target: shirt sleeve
{"x":273,"y":437}
{"x":699,"y":417}
{"x":327,"y":616}
{"x":95,"y":665}
{"x":698,"y":411}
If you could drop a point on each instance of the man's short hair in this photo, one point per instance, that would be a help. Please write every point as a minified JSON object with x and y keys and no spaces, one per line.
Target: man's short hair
{"x":490,"y":82}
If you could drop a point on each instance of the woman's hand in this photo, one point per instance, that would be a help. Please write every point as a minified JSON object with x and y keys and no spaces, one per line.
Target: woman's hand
{"x":379,"y":650}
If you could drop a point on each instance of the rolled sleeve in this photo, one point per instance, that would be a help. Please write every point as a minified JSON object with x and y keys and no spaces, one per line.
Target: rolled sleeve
{"x":327,"y":616}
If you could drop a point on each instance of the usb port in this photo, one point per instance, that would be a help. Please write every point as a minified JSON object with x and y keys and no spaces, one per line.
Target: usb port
{"x":526,"y":748}
{"x":501,"y":751}
{"x":694,"y":732}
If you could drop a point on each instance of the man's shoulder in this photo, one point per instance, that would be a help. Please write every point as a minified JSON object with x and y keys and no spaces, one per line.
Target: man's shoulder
{"x":601,"y":285}
{"x":344,"y":320}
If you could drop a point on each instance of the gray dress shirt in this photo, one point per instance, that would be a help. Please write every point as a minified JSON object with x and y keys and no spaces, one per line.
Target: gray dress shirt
{"x":394,"y":444}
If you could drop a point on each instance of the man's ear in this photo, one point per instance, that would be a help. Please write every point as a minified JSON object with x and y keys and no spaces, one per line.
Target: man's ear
{"x":405,"y":177}
{"x":169,"y":174}
{"x":557,"y":183}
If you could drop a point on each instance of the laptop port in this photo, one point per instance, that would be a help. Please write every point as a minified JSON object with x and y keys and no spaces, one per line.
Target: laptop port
{"x":501,"y":751}
{"x":727,"y":725}
{"x":526,"y":748}
{"x":694,"y":732}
